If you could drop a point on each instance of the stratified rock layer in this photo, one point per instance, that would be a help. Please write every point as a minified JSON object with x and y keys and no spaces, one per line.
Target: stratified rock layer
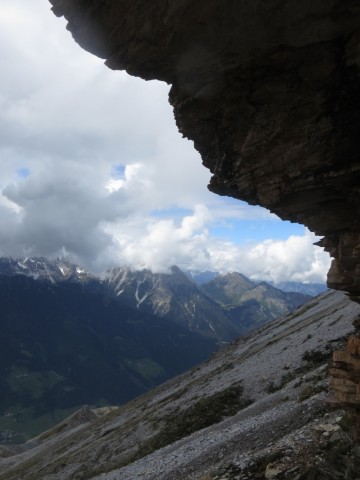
{"x":268,"y":90}
{"x":345,"y":380}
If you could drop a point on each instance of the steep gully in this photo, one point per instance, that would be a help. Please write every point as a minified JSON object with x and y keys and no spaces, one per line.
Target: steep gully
{"x":269,"y":91}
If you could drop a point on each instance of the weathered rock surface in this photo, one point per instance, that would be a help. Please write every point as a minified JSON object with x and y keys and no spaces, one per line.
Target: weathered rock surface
{"x":345,"y":380}
{"x":268,"y":90}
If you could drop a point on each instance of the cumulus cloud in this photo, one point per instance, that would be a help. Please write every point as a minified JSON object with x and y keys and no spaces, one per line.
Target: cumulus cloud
{"x":188,"y":243}
{"x":293,"y":259}
{"x":92,"y":167}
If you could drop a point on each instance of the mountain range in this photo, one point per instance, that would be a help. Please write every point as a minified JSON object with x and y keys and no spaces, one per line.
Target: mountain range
{"x":70,"y":338}
{"x":251,"y":304}
{"x":222,"y":308}
{"x":62,"y":347}
{"x":175,"y":297}
{"x":308,"y":288}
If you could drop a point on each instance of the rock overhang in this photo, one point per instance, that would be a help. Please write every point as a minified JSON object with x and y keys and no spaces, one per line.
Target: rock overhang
{"x":269,"y":91}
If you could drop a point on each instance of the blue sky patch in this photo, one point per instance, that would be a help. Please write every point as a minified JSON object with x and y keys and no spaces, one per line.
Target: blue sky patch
{"x":244,"y":231}
{"x":118,"y":171}
{"x":23,"y":172}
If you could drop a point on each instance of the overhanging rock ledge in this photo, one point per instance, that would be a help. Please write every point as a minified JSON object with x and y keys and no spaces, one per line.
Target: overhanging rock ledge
{"x":268,"y":90}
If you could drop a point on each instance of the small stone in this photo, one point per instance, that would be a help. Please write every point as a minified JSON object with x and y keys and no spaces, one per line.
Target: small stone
{"x":327,"y":427}
{"x":335,"y":437}
{"x":272,"y":471}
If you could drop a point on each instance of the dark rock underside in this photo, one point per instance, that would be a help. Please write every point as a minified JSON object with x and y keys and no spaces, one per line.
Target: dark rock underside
{"x":268,"y":90}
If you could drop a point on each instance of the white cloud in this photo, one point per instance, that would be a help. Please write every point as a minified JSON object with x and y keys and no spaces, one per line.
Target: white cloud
{"x":158,"y":244}
{"x":70,"y":123}
{"x":295,"y":259}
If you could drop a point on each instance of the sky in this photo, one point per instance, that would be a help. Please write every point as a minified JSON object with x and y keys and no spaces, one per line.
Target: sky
{"x":93,"y":168}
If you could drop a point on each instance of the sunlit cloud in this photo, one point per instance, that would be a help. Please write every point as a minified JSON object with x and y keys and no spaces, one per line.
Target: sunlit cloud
{"x":93,"y":167}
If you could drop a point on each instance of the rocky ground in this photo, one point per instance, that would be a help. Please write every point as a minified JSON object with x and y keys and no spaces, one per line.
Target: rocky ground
{"x":255,"y":410}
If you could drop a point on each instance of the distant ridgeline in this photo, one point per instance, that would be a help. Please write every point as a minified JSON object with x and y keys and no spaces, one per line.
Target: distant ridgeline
{"x":69,"y":338}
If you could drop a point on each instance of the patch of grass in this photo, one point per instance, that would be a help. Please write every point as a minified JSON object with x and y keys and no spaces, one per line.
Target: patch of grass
{"x":316,"y":356}
{"x":285,"y":399}
{"x":205,"y":412}
{"x":309,"y":391}
{"x":174,"y":396}
{"x":25,"y":423}
{"x":285,"y":379}
{"x":225,"y":366}
{"x":271,"y":387}
{"x":346,"y":423}
{"x":146,"y":367}
{"x":34,"y":384}
{"x":306,"y":392}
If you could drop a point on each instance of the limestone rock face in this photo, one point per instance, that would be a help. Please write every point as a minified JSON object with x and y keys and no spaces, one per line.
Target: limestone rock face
{"x":268,"y":90}
{"x":345,"y":380}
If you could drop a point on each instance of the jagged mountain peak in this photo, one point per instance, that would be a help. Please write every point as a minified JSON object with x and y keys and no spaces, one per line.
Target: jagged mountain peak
{"x":172,"y":295}
{"x":55,"y":270}
{"x":228,"y":288}
{"x":227,"y":306}
{"x":251,"y":304}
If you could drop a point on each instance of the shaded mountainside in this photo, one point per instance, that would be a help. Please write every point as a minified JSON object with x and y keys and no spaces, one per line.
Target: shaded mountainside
{"x":62,"y":346}
{"x":251,"y":304}
{"x":228,"y":289}
{"x":68,"y":338}
{"x":54,"y":271}
{"x":175,"y":297}
{"x":223,"y":308}
{"x":172,"y":296}
{"x":256,"y":406}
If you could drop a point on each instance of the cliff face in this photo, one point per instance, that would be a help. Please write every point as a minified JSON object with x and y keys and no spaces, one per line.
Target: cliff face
{"x":269,"y":92}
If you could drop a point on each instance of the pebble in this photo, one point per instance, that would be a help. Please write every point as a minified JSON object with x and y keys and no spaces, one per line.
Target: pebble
{"x":327,"y":427}
{"x":272,"y":471}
